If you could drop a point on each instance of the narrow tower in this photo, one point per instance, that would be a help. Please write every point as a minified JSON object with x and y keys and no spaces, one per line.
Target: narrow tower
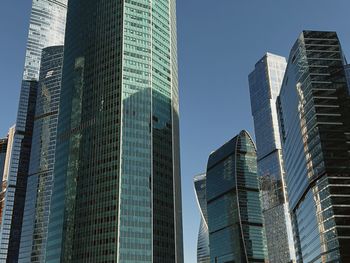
{"x":40,"y":178}
{"x":264,"y":86}
{"x":47,"y":25}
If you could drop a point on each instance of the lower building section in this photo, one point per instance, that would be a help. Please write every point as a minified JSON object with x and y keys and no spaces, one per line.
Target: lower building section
{"x":279,"y":244}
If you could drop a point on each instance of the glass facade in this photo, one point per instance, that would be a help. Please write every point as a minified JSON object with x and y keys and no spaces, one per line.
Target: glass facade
{"x":47,"y":23}
{"x":264,"y":84}
{"x":116,"y":194}
{"x":203,"y":252}
{"x":40,"y":178}
{"x":16,"y":178}
{"x":46,"y":28}
{"x":3,"y":149}
{"x":235,"y":219}
{"x":314,"y":110}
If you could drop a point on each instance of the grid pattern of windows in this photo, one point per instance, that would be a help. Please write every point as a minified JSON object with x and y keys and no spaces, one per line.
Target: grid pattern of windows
{"x":40,"y":179}
{"x":314,"y":107}
{"x":46,"y":28}
{"x":236,"y":232}
{"x":264,"y":84}
{"x":16,"y":179}
{"x":47,"y":24}
{"x":116,"y":157}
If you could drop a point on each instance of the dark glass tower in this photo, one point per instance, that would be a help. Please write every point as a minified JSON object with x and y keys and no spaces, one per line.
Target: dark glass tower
{"x":46,"y":28}
{"x":314,"y":108}
{"x":116,"y":194}
{"x":3,"y":153}
{"x":235,"y":220}
{"x":40,"y":179}
{"x":203,"y":234}
{"x":347,"y":74}
{"x":3,"y":149}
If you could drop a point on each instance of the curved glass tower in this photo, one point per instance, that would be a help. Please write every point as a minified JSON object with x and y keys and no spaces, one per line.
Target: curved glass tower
{"x":46,"y":28}
{"x":40,"y":178}
{"x":116,"y":195}
{"x":235,"y":220}
{"x":203,"y":234}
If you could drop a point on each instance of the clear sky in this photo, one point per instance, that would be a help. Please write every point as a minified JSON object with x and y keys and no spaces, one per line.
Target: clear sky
{"x":219,"y":42}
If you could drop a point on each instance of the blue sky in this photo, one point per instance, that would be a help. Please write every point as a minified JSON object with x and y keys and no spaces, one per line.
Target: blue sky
{"x":219,"y":42}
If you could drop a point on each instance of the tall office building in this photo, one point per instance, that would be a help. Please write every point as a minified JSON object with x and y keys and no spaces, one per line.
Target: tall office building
{"x":47,"y":24}
{"x":116,"y":194}
{"x":314,"y":110}
{"x":203,"y":251}
{"x":40,"y":178}
{"x":235,"y":219}
{"x":264,"y":85}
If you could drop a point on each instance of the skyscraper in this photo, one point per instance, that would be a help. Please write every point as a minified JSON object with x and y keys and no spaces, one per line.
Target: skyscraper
{"x":235,"y":220}
{"x":203,"y":251}
{"x":264,"y":85}
{"x":116,"y":194}
{"x":47,"y":23}
{"x":40,"y":179}
{"x":314,"y":110}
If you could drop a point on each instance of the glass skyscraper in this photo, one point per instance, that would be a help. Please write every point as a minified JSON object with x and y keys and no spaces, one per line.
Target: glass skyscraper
{"x":116,"y":194}
{"x":235,"y":219}
{"x":314,"y":110}
{"x":40,"y":178}
{"x":265,"y":84}
{"x":203,"y":234}
{"x":47,"y":23}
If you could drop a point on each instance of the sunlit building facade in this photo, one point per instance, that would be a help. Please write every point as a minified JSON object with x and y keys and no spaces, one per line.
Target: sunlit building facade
{"x":203,"y":234}
{"x":314,"y":110}
{"x":264,"y":85}
{"x":235,"y":219}
{"x":46,"y":28}
{"x":116,"y":194}
{"x":5,"y":154}
{"x":40,"y":178}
